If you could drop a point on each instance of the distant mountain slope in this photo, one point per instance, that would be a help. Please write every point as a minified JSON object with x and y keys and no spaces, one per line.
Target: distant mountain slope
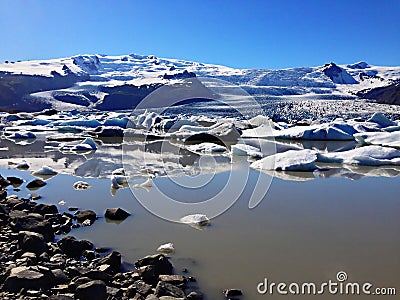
{"x":120,"y":82}
{"x":386,"y":94}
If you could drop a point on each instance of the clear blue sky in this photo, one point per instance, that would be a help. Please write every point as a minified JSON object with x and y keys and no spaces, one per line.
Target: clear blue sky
{"x":246,"y":34}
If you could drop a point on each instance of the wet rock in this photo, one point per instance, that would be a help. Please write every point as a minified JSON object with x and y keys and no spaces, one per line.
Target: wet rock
{"x":35,"y":184}
{"x":15,"y":180}
{"x":116,"y":214}
{"x":177,"y":280}
{"x":23,"y":277}
{"x":32,"y":242}
{"x":73,"y":247}
{"x":113,"y":260}
{"x":60,"y":297}
{"x":59,"y":276}
{"x":92,"y":290}
{"x":32,"y":222}
{"x":44,"y":209}
{"x":152,"y":297}
{"x":152,"y":266}
{"x":84,"y":215}
{"x":229,"y":293}
{"x":167,"y":289}
{"x":4,"y":182}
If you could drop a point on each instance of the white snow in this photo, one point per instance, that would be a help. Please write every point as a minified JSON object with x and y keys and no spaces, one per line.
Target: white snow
{"x":381,"y":120}
{"x":292,"y":160}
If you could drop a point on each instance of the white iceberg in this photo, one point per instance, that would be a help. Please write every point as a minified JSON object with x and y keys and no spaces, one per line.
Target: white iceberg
{"x":118,"y":181}
{"x":195,"y":220}
{"x":292,"y":160}
{"x":365,"y":156}
{"x":390,"y":139}
{"x":246,"y":150}
{"x":87,"y":145}
{"x":81,"y":185}
{"x":22,"y":135}
{"x":381,"y":120}
{"x":207,"y":148}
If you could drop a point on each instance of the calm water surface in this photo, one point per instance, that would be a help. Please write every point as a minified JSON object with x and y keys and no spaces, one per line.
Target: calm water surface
{"x":301,"y":232}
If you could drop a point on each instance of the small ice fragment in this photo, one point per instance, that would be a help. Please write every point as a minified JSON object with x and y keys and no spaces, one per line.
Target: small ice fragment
{"x":81,"y":185}
{"x":167,"y":248}
{"x":45,"y":171}
{"x":196,"y":219}
{"x":117,"y":181}
{"x":62,"y":202}
{"x":23,"y":165}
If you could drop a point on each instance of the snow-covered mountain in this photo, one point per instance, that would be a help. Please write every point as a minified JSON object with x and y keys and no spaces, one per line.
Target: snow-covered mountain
{"x":120,"y":82}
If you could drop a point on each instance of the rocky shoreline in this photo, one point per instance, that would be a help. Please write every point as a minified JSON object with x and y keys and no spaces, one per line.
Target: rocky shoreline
{"x":39,"y":260}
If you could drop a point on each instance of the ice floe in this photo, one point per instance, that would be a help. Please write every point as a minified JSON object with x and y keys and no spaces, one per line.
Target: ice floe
{"x":45,"y":171}
{"x":207,"y":148}
{"x":366,"y":156}
{"x":246,"y":150}
{"x":87,"y":145}
{"x":167,"y":248}
{"x":81,"y":185}
{"x":390,"y":139}
{"x":292,"y":160}
{"x":198,"y":221}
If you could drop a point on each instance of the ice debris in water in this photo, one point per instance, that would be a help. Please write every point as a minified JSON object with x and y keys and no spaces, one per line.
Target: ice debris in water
{"x":23,"y":165}
{"x":195,"y":219}
{"x":118,"y":181}
{"x":87,"y":145}
{"x":147,"y":184}
{"x":246,"y":150}
{"x":167,"y":248}
{"x":45,"y":171}
{"x":390,"y":139}
{"x":81,"y":185}
{"x":292,"y":160}
{"x":207,"y":148}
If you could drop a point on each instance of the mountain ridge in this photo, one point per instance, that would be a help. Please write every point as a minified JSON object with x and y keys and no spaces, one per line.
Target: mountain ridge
{"x":94,"y":81}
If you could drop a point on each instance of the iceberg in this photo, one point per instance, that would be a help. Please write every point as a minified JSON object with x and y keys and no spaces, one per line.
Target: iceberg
{"x":22,"y":135}
{"x":195,"y":220}
{"x":390,"y":139}
{"x":246,"y":150}
{"x":45,"y":171}
{"x":207,"y":148}
{"x":87,"y":145}
{"x":381,"y":120}
{"x":292,"y":160}
{"x":364,"y":156}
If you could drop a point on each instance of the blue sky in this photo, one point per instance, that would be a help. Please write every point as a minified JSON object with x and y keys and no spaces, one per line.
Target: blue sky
{"x":245,"y":34}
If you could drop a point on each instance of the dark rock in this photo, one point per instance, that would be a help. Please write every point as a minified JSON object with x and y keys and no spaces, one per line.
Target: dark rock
{"x":151,"y":267}
{"x":32,"y":242}
{"x":22,"y":205}
{"x":4,"y":182}
{"x":116,"y":214}
{"x":35,"y":197}
{"x":60,"y":297}
{"x":44,"y":209}
{"x":59,"y":276}
{"x":3,"y":194}
{"x":15,"y":180}
{"x":23,"y":277}
{"x":89,"y":254}
{"x":113,"y":260}
{"x":97,"y":275}
{"x":167,"y":289}
{"x":232,"y":293}
{"x":177,"y":280}
{"x":142,"y":288}
{"x":72,"y":247}
{"x":32,"y":222}
{"x":35,"y":184}
{"x":92,"y":290}
{"x":86,"y":215}
{"x":72,"y":208}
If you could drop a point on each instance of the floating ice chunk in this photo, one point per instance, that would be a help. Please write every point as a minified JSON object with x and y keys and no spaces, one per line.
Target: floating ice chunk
{"x":119,"y":171}
{"x":195,"y":220}
{"x":87,"y":145}
{"x":79,"y":123}
{"x":167,"y":248}
{"x":246,"y":150}
{"x":81,"y":185}
{"x":207,"y":148}
{"x":292,"y":160}
{"x":380,"y":119}
{"x":118,"y":122}
{"x":147,"y":184}
{"x":390,"y":139}
{"x":22,"y":135}
{"x":45,"y":171}
{"x":261,"y":120}
{"x":36,"y":122}
{"x":118,"y":181}
{"x":365,"y":156}
{"x":62,"y":202}
{"x":262,"y":131}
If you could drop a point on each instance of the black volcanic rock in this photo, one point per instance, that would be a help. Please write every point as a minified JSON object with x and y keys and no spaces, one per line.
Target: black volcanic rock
{"x":386,"y":95}
{"x":116,"y":214}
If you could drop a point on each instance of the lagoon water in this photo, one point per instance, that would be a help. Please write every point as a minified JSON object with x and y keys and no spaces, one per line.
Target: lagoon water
{"x":303,"y":231}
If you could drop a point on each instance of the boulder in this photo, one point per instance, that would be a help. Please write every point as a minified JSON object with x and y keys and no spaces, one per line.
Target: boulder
{"x":32,"y":242}
{"x":113,"y":260}
{"x":84,"y":215}
{"x":15,"y":180}
{"x":95,"y":289}
{"x":151,"y":267}
{"x":73,"y":247}
{"x":35,"y":184}
{"x":116,"y":214}
{"x":44,"y":209}
{"x":229,"y":293}
{"x":167,"y":289}
{"x":32,"y":222}
{"x":23,"y":277}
